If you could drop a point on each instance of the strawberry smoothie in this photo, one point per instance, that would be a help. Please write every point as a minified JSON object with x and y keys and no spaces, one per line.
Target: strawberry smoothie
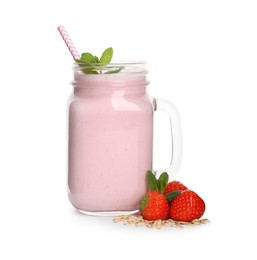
{"x":110,"y":141}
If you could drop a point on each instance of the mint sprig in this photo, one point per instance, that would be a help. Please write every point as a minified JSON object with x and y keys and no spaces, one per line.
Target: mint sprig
{"x":91,"y":64}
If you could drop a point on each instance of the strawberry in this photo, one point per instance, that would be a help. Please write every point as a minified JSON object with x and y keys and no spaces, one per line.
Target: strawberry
{"x":187,"y":206}
{"x":154,"y":206}
{"x":175,"y":185}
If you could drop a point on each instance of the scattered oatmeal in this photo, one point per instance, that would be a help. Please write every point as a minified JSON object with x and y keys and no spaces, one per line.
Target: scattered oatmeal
{"x":138,"y":221}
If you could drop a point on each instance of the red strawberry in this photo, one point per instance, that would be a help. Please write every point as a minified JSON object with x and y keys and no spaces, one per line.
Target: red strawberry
{"x":187,"y":206}
{"x":174,"y":185}
{"x":154,"y":206}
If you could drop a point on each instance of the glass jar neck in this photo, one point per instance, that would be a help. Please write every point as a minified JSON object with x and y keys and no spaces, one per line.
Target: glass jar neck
{"x":122,"y":78}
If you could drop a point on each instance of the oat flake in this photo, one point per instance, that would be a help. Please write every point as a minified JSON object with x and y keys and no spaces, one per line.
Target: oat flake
{"x":158,"y":224}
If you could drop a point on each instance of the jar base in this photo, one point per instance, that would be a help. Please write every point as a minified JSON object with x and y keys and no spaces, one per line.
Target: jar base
{"x":108,"y":213}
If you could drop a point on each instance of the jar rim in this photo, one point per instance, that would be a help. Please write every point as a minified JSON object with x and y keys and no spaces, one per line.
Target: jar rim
{"x":114,"y":68}
{"x":115,"y":63}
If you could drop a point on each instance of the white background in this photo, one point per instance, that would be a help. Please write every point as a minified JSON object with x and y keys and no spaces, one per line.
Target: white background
{"x":202,"y":55}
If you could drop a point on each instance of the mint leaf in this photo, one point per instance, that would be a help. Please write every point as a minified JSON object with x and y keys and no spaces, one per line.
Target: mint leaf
{"x":170,"y":196}
{"x":106,"y":56}
{"x":116,"y":70}
{"x":87,"y":68}
{"x":96,"y":59}
{"x":151,"y":181}
{"x":90,"y":71}
{"x":87,"y":57}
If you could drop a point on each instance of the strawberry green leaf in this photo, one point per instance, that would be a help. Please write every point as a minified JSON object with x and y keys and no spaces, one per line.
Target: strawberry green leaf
{"x":151,"y":181}
{"x":162,"y":182}
{"x":170,"y":196}
{"x":161,"y":186}
{"x":143,"y":203}
{"x":164,"y":177}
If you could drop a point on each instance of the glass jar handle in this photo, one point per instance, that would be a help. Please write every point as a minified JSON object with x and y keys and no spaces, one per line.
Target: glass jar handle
{"x":176,"y":136}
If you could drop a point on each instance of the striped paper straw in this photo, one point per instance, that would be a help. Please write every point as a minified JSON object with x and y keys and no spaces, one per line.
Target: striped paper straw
{"x":68,"y":42}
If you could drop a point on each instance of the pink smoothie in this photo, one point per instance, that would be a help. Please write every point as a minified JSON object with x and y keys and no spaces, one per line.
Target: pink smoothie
{"x":110,"y":142}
